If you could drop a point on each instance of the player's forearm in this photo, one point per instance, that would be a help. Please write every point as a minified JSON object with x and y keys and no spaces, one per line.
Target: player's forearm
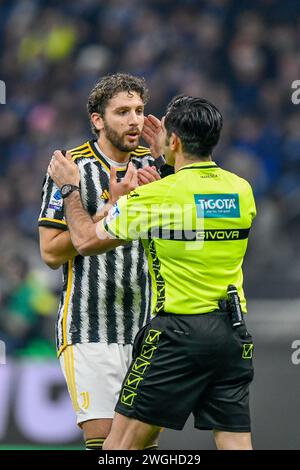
{"x":83,"y":229}
{"x":57,"y":250}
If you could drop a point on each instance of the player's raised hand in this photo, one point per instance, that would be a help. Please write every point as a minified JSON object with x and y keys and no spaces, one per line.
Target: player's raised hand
{"x":128,"y":183}
{"x":63,"y":170}
{"x":153,"y":135}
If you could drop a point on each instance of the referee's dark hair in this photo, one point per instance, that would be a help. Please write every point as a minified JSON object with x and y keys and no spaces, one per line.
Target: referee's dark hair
{"x":197,"y":123}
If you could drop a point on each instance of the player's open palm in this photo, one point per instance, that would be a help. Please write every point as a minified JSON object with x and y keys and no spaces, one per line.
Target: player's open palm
{"x":128,"y":183}
{"x":63,"y":170}
{"x":153,"y":135}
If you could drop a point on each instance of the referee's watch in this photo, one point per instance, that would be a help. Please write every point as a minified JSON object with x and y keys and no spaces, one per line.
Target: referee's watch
{"x":67,"y":189}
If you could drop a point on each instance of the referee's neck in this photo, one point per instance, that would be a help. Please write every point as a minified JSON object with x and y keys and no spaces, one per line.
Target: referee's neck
{"x":182,"y":160}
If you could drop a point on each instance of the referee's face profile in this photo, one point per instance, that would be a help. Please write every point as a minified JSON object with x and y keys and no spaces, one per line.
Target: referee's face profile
{"x":123,"y":120}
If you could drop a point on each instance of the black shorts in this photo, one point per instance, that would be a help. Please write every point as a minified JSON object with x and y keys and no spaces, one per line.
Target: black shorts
{"x":185,"y":364}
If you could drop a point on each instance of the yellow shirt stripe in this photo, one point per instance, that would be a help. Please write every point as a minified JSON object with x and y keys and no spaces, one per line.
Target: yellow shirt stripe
{"x":47,"y":219}
{"x":64,"y":324}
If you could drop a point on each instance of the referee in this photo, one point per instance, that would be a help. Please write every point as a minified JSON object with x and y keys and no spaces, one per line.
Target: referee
{"x":194,"y":226}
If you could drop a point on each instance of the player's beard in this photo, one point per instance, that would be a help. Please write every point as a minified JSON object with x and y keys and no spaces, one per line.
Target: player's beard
{"x":117,"y":140}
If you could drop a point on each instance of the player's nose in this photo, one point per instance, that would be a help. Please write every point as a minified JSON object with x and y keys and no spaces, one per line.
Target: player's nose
{"x":133,"y":118}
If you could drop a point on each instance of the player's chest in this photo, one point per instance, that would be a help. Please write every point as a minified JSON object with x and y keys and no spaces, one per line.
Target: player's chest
{"x":94,"y":182}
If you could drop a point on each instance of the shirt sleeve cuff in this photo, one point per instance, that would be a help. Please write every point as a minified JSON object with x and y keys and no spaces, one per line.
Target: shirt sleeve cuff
{"x":52,"y":223}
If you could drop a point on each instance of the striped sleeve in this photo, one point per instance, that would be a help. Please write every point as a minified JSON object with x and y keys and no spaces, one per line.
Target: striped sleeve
{"x":52,"y":210}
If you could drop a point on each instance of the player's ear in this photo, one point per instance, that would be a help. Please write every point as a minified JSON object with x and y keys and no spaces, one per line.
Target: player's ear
{"x":97,"y":121}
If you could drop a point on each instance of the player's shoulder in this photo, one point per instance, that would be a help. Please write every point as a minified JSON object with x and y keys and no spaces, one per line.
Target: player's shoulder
{"x":141,"y":157}
{"x":140,"y":151}
{"x":83,"y":152}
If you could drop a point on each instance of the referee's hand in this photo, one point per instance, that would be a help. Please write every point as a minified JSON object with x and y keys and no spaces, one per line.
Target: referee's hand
{"x":63,"y":170}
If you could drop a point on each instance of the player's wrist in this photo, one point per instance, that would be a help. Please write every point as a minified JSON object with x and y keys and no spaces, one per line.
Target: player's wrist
{"x":111,"y":202}
{"x":67,"y":189}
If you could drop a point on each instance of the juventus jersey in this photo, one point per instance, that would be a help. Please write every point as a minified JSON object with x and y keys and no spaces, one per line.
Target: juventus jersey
{"x":105,"y":298}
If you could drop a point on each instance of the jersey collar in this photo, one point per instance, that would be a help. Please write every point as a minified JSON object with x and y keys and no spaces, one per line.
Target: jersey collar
{"x":103,"y":159}
{"x":200,"y":165}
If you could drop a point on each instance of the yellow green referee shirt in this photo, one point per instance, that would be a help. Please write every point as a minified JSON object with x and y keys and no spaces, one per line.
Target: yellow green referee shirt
{"x":194,"y":226}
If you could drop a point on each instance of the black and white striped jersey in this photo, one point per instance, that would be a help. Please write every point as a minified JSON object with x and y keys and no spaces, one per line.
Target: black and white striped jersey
{"x":105,"y":298}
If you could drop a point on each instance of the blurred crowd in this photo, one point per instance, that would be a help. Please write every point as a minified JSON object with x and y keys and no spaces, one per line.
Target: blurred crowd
{"x":242,"y":55}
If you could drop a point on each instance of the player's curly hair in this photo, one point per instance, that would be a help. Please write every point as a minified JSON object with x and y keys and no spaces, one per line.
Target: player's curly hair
{"x":196,"y":121}
{"x":108,"y":87}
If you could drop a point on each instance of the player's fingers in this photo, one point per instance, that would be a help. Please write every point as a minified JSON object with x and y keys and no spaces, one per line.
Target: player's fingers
{"x":151,"y":170}
{"x":68,"y":155}
{"x":130,"y":181}
{"x":153,"y":125}
{"x":57,"y":154}
{"x":129,"y":172}
{"x":154,"y":121}
{"x":149,"y":135}
{"x":142,"y":179}
{"x":131,"y":175}
{"x":150,"y":127}
{"x":148,"y":174}
{"x":134,"y":180}
{"x":49,"y":170}
{"x":113,"y":175}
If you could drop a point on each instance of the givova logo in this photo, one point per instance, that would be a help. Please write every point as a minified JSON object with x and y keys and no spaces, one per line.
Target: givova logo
{"x":217,"y":205}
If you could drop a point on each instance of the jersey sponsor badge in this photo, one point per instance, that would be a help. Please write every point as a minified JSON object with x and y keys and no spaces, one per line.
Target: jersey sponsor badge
{"x":55,"y":207}
{"x":57,"y":195}
{"x":217,"y":205}
{"x":56,"y":201}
